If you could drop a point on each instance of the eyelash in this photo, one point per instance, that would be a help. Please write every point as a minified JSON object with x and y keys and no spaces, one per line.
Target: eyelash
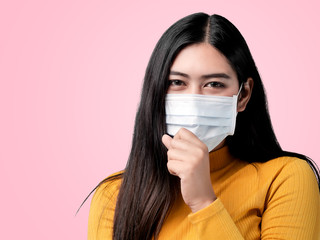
{"x":216,"y":84}
{"x":174,"y":83}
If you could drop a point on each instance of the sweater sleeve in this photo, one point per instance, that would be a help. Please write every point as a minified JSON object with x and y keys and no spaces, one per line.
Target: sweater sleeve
{"x":292,"y":204}
{"x":214,"y":222}
{"x":100,"y":223}
{"x":292,"y":209}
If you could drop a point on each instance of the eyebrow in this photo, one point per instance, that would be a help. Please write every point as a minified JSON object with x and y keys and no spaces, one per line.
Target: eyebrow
{"x":207,"y":76}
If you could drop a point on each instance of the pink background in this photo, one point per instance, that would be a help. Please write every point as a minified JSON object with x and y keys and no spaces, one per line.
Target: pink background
{"x":70,"y":80}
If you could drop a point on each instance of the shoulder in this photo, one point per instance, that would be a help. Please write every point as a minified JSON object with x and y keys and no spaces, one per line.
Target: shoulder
{"x":291,"y":198}
{"x":288,"y":176}
{"x":286,"y":167}
{"x":106,"y":193}
{"x":102,"y":206}
{"x":108,"y":188}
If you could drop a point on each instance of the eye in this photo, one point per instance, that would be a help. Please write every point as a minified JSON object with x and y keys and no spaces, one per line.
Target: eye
{"x":215,"y":85}
{"x":176,"y":83}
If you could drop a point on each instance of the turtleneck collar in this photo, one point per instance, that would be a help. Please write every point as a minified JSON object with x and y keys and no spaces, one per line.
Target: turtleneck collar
{"x":220,"y":158}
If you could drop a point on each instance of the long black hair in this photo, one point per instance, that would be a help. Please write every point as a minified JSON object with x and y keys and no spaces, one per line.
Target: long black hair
{"x":147,"y":190}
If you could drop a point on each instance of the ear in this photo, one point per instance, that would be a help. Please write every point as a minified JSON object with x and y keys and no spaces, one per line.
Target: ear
{"x":245,"y":95}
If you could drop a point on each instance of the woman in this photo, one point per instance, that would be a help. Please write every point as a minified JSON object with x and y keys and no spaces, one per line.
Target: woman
{"x":205,"y":162}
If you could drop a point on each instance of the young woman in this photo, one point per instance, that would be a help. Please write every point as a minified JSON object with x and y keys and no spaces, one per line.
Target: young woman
{"x":205,"y":162}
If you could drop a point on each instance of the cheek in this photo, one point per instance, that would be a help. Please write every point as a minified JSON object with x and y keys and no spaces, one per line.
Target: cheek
{"x":231,"y":91}
{"x":233,"y":88}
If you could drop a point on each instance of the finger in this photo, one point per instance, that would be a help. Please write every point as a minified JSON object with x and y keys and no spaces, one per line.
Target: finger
{"x":177,"y":155}
{"x":166,"y":140}
{"x":181,"y":144}
{"x":175,"y":168}
{"x":189,"y":136}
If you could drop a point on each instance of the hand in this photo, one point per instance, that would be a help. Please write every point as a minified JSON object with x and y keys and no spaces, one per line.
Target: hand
{"x":188,"y":158}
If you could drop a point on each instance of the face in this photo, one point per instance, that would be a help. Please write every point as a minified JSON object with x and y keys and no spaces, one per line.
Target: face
{"x":201,"y":69}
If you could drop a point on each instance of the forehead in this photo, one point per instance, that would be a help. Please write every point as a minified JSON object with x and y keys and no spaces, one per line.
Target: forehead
{"x":201,"y":58}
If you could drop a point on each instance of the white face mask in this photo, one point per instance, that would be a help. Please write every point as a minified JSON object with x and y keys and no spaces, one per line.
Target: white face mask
{"x":210,"y":118}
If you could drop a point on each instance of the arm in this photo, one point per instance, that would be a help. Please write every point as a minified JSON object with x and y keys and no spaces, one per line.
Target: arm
{"x":214,"y":222}
{"x":292,"y":204}
{"x":292,"y":209}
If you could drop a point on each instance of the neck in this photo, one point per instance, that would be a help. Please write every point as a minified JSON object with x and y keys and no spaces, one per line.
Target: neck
{"x":220,"y":158}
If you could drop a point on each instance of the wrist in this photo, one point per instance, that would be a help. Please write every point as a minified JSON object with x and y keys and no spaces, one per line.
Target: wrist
{"x":202,"y":204}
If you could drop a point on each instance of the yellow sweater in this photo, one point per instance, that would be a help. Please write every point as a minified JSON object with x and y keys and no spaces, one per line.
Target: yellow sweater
{"x":278,"y":199}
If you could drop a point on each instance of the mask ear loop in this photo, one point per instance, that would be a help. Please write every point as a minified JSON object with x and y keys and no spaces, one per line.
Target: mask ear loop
{"x":239,"y":89}
{"x":235,"y":112}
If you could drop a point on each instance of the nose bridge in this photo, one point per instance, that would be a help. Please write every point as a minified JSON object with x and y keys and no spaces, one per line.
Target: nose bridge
{"x":194,"y":88}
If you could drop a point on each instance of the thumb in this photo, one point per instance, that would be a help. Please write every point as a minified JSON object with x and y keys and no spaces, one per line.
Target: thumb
{"x":166,"y":140}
